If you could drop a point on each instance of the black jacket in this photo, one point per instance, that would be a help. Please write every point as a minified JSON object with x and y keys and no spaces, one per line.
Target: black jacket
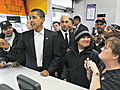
{"x":7,"y":58}
{"x":74,"y":70}
{"x":81,"y":28}
{"x":63,"y":49}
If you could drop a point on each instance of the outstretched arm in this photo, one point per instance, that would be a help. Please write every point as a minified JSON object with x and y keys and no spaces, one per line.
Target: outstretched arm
{"x":95,"y":81}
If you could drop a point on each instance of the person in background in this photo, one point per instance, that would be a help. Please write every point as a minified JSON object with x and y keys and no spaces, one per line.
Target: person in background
{"x":74,"y":70}
{"x":56,"y":26}
{"x":78,"y":25}
{"x":98,"y":35}
{"x":40,"y":45}
{"x":116,"y":27}
{"x":99,"y":39}
{"x":99,"y":23}
{"x":29,"y":27}
{"x":110,"y":31}
{"x":11,"y":35}
{"x":66,"y":40}
{"x":71,"y":26}
{"x":107,"y":78}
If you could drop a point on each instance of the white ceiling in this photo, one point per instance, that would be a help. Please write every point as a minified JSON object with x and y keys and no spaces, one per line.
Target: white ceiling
{"x":65,"y":3}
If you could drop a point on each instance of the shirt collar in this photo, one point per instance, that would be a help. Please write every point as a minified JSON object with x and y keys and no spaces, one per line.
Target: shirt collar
{"x":80,"y":50}
{"x":64,"y":32}
{"x":78,"y":25}
{"x":41,"y":32}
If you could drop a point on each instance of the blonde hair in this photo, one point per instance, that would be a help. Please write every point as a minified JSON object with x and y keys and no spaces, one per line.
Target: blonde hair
{"x":114,"y":44}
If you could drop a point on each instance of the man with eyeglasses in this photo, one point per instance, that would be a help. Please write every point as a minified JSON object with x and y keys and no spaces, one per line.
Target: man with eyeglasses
{"x":99,"y":23}
{"x":66,"y":39}
{"x":11,"y":35}
{"x":98,"y":34}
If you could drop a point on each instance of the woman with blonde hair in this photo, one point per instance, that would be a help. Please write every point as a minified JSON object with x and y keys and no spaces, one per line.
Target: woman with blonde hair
{"x":109,"y":77}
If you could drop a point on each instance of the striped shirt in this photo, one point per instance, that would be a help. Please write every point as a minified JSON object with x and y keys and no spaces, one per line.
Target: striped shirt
{"x":110,"y":80}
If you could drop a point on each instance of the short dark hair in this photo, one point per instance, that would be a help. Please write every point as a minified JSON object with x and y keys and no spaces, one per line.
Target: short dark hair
{"x":56,"y":22}
{"x":71,"y":20}
{"x":77,"y":18}
{"x":40,"y":12}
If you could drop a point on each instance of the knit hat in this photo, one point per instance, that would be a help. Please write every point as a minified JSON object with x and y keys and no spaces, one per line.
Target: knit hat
{"x":80,"y":34}
{"x":5,"y":24}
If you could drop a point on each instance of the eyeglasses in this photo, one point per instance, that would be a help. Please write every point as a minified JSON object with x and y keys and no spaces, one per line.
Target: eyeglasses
{"x":64,"y":21}
{"x":100,"y":24}
{"x":7,"y":28}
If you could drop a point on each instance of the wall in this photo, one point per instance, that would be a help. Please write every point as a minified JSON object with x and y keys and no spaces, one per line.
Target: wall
{"x":65,"y":3}
{"x":117,"y":18}
{"x":107,"y":7}
{"x":48,"y":21}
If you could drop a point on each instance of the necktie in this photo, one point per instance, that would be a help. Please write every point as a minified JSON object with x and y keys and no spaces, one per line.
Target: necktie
{"x":66,"y":39}
{"x":75,"y":29}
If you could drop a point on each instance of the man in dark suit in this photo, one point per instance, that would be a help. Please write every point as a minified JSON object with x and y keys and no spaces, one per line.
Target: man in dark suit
{"x":64,"y":23}
{"x":78,"y":25}
{"x":41,"y":45}
{"x":9,"y":33}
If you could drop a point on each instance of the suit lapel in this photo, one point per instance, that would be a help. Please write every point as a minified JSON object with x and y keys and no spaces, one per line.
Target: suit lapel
{"x":71,"y":37}
{"x":46,"y":41}
{"x":60,"y":35}
{"x":31,"y":42}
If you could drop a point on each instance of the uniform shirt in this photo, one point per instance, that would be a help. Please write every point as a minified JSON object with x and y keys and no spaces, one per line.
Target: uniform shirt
{"x":110,"y":80}
{"x":39,"y":39}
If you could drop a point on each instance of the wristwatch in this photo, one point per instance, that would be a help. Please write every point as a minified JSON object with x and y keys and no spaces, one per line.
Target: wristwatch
{"x":96,"y":74}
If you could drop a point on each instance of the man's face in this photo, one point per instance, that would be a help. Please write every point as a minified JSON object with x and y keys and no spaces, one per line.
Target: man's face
{"x":71,"y":25}
{"x":100,"y":30}
{"x":84,"y":42}
{"x":64,"y":23}
{"x":28,"y":24}
{"x":36,"y":21}
{"x":56,"y":26}
{"x":100,"y":25}
{"x":76,"y":22}
{"x":8,"y":31}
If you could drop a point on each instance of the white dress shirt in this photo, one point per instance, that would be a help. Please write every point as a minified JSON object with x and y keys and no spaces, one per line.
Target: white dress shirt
{"x":63,"y":33}
{"x":39,"y":40}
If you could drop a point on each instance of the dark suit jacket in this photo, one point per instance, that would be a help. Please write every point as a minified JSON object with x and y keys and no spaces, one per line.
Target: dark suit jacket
{"x":62,"y":42}
{"x":51,"y":51}
{"x":63,"y":48}
{"x":81,"y":28}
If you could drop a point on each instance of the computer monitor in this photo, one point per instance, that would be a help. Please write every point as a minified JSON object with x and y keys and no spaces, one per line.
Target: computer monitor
{"x":5,"y":87}
{"x":26,"y":83}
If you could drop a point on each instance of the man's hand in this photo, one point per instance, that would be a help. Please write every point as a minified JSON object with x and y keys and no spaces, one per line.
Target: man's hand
{"x":65,"y":79}
{"x":4,"y":43}
{"x":45,"y":73}
{"x":15,"y":64}
{"x":3,"y":64}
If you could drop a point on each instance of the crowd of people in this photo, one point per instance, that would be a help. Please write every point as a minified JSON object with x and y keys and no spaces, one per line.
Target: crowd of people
{"x":70,"y":53}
